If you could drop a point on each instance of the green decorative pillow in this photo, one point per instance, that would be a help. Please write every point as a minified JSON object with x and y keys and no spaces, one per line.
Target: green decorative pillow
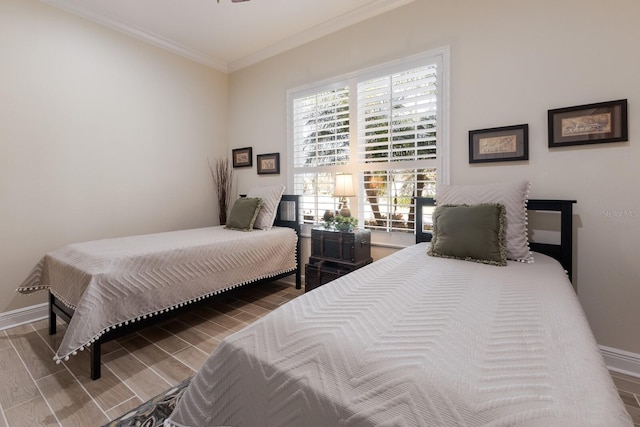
{"x":244,"y":213}
{"x":513,"y":195}
{"x":471,"y":233}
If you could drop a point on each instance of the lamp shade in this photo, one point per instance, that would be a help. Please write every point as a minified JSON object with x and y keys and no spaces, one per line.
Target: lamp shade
{"x":344,"y":186}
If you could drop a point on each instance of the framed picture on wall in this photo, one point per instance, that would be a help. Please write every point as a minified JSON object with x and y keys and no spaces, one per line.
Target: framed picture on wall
{"x":588,"y":124}
{"x":499,"y":144}
{"x":242,"y":157}
{"x":269,"y":163}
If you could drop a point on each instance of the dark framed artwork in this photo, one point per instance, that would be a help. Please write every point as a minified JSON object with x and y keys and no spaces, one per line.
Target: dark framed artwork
{"x":242,"y":157}
{"x":268,"y":163}
{"x":499,"y":144}
{"x":589,"y":124}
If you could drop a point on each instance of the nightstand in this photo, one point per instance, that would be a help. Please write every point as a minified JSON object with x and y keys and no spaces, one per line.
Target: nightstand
{"x":336,"y":253}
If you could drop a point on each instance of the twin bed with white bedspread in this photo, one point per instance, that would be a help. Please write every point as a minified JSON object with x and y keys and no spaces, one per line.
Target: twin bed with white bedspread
{"x":414,"y":340}
{"x":112,"y":281}
{"x":437,"y":345}
{"x":110,"y":287}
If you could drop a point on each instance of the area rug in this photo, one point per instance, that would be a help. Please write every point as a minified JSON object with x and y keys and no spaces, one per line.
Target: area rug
{"x":153,"y":412}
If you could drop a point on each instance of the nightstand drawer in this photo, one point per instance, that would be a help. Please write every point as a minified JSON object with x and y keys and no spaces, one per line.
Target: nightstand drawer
{"x":315,"y":276}
{"x":325,"y":271}
{"x":334,"y":254}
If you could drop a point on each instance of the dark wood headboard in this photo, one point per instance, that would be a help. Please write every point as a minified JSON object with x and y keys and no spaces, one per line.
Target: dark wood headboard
{"x":563,"y":252}
{"x":288,"y":215}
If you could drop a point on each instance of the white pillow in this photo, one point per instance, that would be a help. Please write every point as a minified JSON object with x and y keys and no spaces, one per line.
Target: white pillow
{"x":513,"y":195}
{"x":270,"y":199}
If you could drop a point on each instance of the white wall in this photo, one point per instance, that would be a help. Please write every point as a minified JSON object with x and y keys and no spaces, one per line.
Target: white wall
{"x":100,"y":136}
{"x":511,"y":62}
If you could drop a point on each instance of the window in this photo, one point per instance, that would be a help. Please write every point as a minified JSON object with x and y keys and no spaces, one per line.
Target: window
{"x":386,"y":126}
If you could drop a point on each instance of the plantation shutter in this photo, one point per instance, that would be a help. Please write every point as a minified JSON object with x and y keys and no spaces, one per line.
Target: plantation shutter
{"x":321,"y":128}
{"x":397,"y":117}
{"x":321,"y":142}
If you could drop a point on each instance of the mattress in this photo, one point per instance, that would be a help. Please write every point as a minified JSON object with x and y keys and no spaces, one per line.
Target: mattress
{"x":413,"y":340}
{"x":112,"y":282}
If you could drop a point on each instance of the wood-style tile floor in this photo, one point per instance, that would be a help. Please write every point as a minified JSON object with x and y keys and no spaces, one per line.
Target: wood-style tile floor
{"x":629,"y":390}
{"x":34,"y":391}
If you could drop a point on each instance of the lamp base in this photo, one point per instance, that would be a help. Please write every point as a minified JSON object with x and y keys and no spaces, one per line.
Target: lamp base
{"x":344,"y":207}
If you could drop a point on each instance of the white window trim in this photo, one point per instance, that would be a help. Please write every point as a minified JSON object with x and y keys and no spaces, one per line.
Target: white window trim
{"x":384,"y":238}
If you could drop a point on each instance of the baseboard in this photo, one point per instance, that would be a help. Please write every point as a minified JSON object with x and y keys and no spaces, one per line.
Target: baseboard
{"x":621,"y":361}
{"x":24,"y":315}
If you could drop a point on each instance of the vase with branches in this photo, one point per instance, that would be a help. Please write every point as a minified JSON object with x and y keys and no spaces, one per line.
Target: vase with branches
{"x":222,"y":175}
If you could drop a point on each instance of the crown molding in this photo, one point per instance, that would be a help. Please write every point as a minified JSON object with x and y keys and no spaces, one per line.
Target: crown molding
{"x":140,"y":34}
{"x":350,"y":18}
{"x":353,"y":17}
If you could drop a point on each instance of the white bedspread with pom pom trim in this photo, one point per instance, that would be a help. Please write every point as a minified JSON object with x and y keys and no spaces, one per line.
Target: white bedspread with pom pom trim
{"x":111,"y":282}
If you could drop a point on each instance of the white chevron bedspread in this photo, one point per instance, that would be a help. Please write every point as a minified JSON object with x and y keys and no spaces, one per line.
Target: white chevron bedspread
{"x":413,"y":340}
{"x":110,"y":282}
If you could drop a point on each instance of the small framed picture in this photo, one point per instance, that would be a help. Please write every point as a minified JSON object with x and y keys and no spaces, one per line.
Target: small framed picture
{"x":242,"y":157}
{"x":268,"y":163}
{"x":589,"y":124}
{"x":500,"y":144}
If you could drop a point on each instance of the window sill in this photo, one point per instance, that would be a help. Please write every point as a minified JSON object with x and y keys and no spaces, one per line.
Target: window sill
{"x":382,"y":239}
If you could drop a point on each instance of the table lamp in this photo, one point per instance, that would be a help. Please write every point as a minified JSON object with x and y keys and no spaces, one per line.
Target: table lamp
{"x":344,"y":188}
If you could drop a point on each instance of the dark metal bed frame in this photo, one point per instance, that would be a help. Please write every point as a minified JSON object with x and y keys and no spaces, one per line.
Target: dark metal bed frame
{"x":563,"y":251}
{"x":286,"y":217}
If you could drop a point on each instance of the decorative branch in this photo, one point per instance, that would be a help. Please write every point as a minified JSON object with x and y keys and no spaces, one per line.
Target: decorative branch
{"x":222,"y":175}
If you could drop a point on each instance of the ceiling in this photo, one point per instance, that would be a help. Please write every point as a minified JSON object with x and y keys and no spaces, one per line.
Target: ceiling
{"x":224,"y":35}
